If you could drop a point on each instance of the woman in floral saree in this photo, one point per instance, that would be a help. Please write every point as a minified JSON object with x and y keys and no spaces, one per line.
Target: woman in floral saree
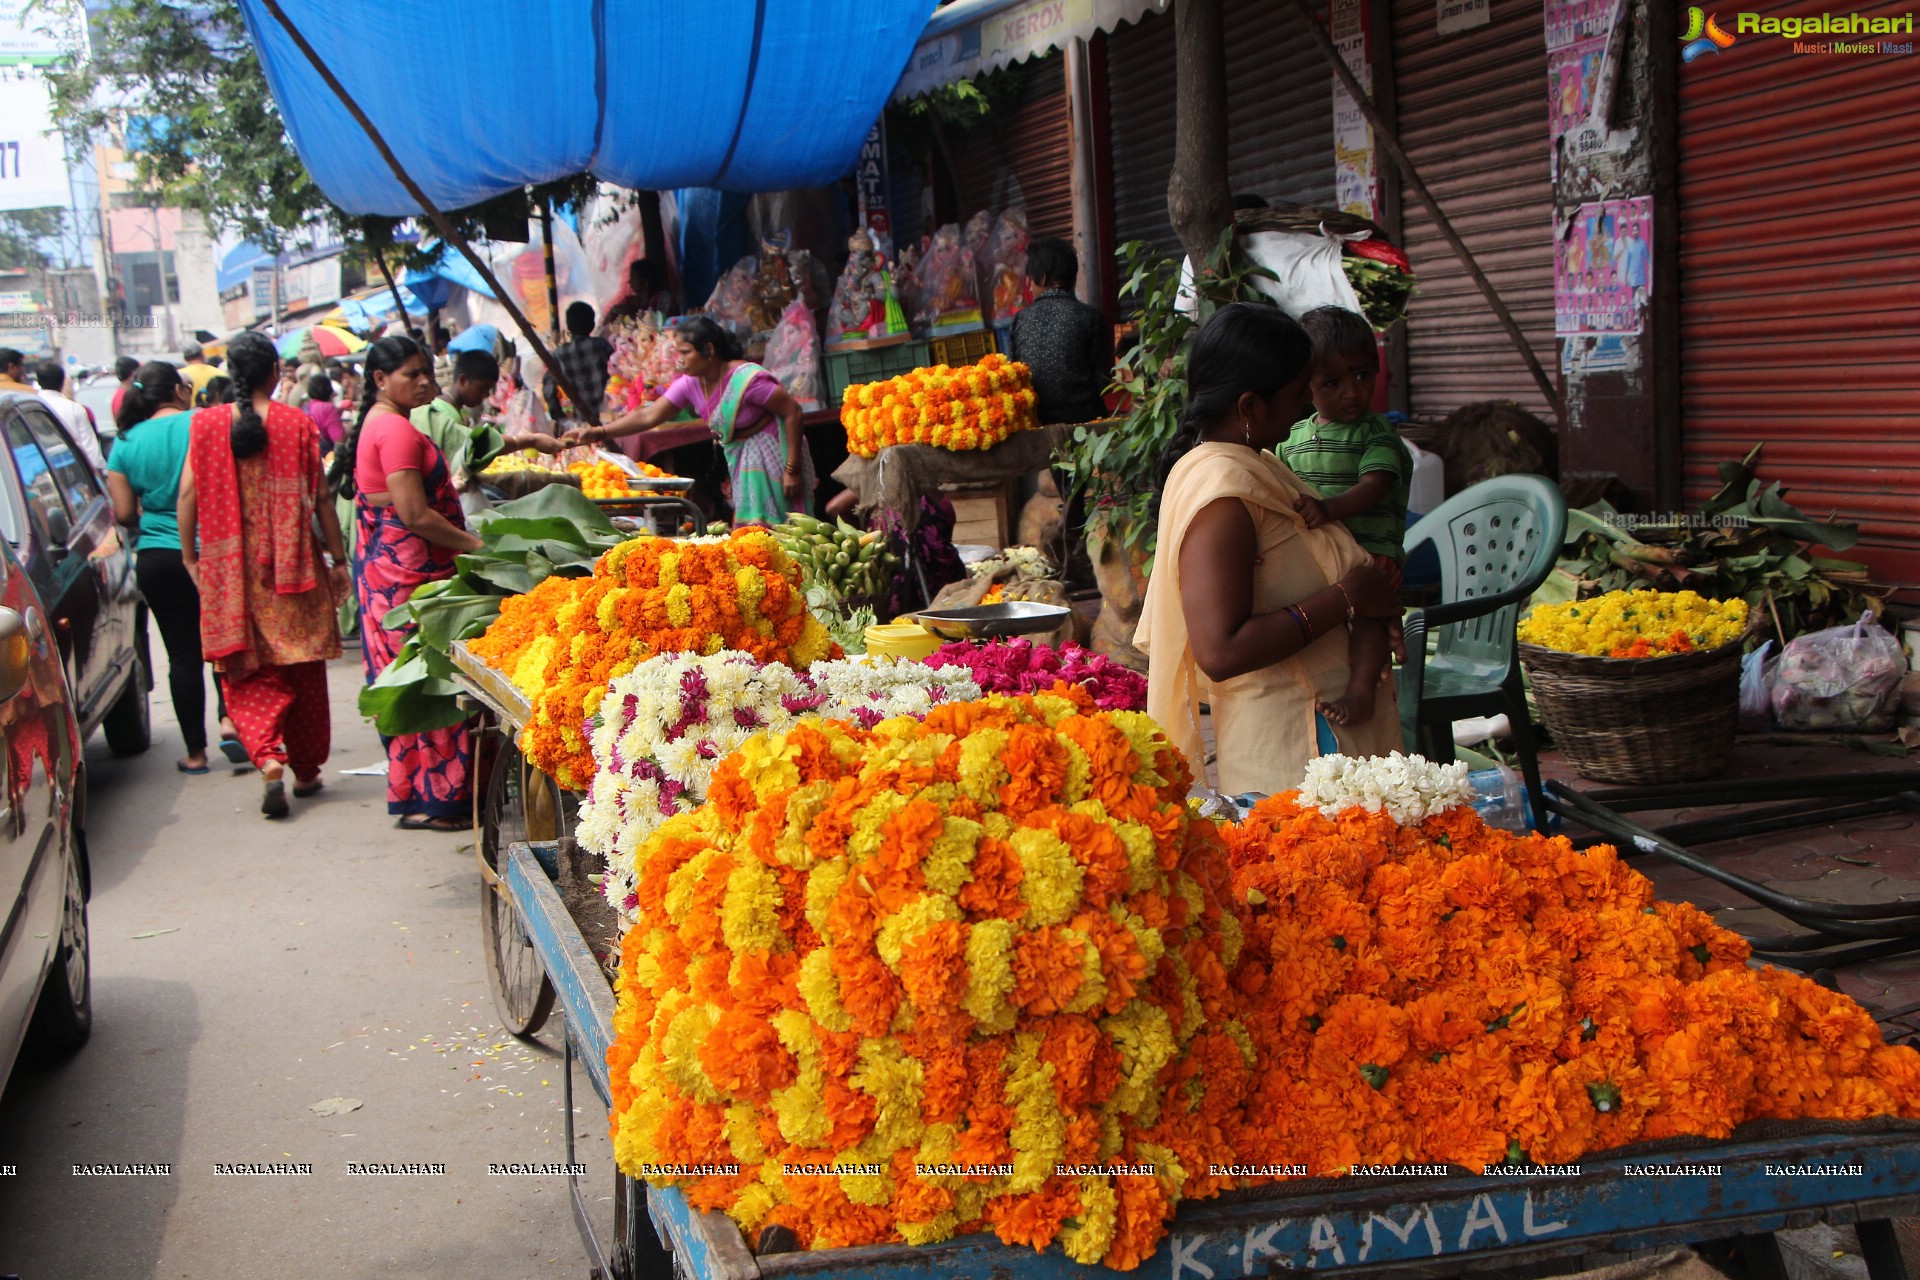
{"x":408,"y":528}
{"x":748,"y":411}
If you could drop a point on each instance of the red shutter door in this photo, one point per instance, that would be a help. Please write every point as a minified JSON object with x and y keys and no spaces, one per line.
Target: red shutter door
{"x":1800,"y":280}
{"x":1473,"y":118}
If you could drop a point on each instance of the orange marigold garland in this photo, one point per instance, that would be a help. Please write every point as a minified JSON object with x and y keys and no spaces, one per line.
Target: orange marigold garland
{"x":563,"y":641}
{"x":937,"y":977}
{"x":1452,"y":992}
{"x":972,"y":407}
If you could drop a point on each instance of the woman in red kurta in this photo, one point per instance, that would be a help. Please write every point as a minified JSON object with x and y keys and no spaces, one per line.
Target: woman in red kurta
{"x":251,"y":499}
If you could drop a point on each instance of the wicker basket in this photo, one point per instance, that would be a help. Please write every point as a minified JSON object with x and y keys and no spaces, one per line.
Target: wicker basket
{"x":1637,"y":720}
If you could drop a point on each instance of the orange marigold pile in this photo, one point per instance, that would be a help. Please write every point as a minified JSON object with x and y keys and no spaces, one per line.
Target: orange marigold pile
{"x":937,"y":977}
{"x":563,"y":641}
{"x":1451,"y":992}
{"x":972,"y":407}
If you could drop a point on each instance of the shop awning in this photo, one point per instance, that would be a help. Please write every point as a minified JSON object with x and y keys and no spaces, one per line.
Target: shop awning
{"x":969,"y":37}
{"x":742,"y":95}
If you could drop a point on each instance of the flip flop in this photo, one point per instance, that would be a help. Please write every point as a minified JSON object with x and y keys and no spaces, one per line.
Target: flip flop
{"x":233,"y":751}
{"x":273,"y":802}
{"x":414,"y":822}
{"x":181,"y":765}
{"x":301,"y":790}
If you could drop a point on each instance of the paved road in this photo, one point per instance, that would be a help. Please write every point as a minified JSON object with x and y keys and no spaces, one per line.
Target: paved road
{"x":327,"y":956}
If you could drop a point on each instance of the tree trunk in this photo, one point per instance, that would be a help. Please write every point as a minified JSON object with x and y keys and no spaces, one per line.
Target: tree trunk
{"x":1199,"y":201}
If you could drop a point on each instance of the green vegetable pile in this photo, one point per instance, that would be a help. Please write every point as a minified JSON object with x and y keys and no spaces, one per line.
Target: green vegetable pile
{"x":557,"y":530}
{"x":1747,"y":542}
{"x":1383,"y":289}
{"x":849,"y":564}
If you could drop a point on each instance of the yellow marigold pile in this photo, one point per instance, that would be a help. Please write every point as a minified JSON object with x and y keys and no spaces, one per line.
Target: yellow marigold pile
{"x":602,"y":479}
{"x":973,"y":407}
{"x":937,"y":977}
{"x":1636,"y":624}
{"x":563,"y":641}
{"x":1451,"y":992}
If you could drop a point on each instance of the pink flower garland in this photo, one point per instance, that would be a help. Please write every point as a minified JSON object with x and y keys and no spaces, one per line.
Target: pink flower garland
{"x":1021,"y":666}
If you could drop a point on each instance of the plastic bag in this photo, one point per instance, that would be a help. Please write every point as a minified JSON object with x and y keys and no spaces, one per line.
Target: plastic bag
{"x":734,"y":294}
{"x":1004,"y":268}
{"x":948,"y":289}
{"x":1756,"y":681}
{"x":1306,"y":267}
{"x":1841,"y":678}
{"x":793,"y":355}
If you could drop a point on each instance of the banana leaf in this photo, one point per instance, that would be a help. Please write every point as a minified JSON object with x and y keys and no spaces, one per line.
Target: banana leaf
{"x":415,"y":694}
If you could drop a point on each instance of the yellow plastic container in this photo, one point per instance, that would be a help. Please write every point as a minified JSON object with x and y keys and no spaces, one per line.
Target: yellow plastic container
{"x":907,"y":640}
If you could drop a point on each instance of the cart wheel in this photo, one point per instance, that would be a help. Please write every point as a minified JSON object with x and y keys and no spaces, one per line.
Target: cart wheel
{"x":522,"y":804}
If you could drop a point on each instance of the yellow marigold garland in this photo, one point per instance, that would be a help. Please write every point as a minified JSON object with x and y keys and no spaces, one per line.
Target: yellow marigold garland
{"x":930,"y":978}
{"x":972,"y":407}
{"x":1636,"y":624}
{"x":563,"y":641}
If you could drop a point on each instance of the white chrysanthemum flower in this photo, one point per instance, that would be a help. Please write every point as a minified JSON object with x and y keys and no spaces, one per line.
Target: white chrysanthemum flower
{"x":1409,"y":788}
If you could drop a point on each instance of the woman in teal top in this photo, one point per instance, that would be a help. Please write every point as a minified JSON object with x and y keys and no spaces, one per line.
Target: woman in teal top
{"x":143,"y":475}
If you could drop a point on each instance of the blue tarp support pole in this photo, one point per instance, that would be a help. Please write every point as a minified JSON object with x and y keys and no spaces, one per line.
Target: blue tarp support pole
{"x":393,"y":287}
{"x":448,"y":232}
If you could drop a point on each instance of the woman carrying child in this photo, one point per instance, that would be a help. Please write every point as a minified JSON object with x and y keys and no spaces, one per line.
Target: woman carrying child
{"x":1247,"y":607}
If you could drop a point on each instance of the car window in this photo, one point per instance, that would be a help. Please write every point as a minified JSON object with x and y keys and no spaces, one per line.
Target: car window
{"x":37,"y":478}
{"x":72,"y":471}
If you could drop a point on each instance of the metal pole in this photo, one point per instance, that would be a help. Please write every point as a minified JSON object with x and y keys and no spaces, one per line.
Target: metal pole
{"x":553,"y":285}
{"x":441,"y":222}
{"x":1086,"y":218}
{"x":386,"y":274}
{"x":1391,"y":142}
{"x":160,"y":264}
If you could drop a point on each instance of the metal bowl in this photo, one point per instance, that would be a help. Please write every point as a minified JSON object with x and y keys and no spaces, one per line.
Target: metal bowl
{"x":991,"y":621}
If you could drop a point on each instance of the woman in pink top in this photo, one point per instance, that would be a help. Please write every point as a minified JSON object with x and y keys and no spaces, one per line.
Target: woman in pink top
{"x":756,"y":421}
{"x":407,"y":517}
{"x":324,"y":412}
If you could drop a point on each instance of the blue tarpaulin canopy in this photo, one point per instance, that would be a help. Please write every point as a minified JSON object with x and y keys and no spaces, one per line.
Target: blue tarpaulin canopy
{"x":740,"y":95}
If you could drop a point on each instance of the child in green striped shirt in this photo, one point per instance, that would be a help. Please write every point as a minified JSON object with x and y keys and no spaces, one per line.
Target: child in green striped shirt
{"x":1363,"y":472}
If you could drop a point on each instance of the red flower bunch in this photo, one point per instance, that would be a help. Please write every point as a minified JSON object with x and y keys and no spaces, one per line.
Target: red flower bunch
{"x":1021,"y":666}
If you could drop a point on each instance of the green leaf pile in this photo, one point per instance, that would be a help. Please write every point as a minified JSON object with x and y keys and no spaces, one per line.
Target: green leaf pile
{"x":557,"y":530}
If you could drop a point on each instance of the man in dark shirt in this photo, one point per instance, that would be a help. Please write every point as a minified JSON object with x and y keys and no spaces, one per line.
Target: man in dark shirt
{"x":1062,"y":339}
{"x":583,"y":360}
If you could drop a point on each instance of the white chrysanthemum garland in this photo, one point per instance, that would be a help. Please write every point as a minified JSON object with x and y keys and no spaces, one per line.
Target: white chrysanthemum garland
{"x":664,"y":726}
{"x":1409,"y":788}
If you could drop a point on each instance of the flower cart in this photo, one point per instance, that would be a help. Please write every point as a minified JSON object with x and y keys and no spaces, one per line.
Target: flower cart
{"x":1394,"y":1220}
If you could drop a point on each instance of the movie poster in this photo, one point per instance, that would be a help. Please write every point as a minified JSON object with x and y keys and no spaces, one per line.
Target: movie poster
{"x":1603,"y":268}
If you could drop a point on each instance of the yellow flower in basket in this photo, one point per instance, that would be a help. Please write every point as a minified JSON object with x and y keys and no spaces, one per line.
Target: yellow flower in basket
{"x":1636,"y":624}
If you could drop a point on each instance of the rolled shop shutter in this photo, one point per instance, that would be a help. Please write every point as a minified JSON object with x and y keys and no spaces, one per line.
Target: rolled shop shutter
{"x":1279,"y":116}
{"x":1472,"y":110}
{"x":1025,"y":157}
{"x":1800,"y":281}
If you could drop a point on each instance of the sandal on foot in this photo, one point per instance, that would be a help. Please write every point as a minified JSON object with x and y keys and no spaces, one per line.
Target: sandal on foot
{"x":301,"y":790}
{"x":273,"y":801}
{"x":233,"y":751}
{"x":184,"y":767}
{"x":417,"y":822}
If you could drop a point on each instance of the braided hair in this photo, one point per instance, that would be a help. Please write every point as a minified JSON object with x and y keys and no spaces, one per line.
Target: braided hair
{"x":384,"y":356}
{"x":254,"y":366}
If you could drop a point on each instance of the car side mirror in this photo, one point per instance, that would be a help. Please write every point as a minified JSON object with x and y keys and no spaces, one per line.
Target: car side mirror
{"x":59,"y":528}
{"x":16,"y":653}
